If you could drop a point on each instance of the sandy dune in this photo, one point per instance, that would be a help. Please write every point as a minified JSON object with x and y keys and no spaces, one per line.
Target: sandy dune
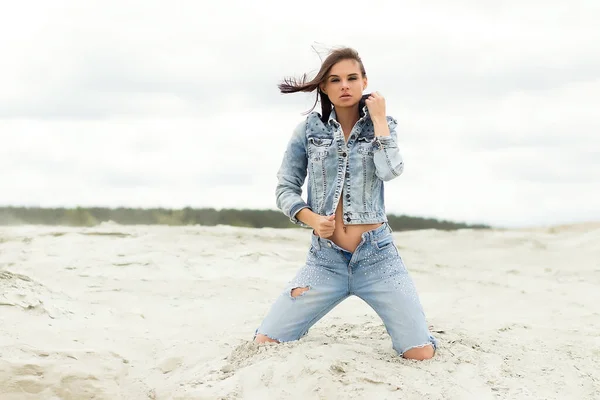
{"x":116,"y":312}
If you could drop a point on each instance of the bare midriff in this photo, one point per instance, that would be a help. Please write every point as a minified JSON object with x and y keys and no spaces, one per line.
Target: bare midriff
{"x":348,"y":237}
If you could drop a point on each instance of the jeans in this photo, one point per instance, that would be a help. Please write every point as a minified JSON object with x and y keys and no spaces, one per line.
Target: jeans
{"x":374,"y":272}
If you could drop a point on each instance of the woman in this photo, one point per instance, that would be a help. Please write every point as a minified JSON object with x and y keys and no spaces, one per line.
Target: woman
{"x":348,"y":151}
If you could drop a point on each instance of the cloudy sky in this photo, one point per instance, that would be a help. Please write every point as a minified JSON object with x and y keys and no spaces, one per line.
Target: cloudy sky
{"x":174,"y":104}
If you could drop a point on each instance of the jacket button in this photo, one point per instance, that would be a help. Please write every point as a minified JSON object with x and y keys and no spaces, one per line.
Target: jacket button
{"x":348,"y":219}
{"x":347,"y":196}
{"x":344,"y":154}
{"x":347,"y":175}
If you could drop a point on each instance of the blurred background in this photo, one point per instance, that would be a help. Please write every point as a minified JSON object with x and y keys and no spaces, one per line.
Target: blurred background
{"x":174,"y":106}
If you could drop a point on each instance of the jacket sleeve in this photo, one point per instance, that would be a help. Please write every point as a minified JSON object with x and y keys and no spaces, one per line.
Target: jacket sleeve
{"x":386,"y":156}
{"x":291,"y":176}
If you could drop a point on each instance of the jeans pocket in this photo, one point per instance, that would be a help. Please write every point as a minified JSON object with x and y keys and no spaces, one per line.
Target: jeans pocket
{"x":381,"y":244}
{"x":386,"y":243}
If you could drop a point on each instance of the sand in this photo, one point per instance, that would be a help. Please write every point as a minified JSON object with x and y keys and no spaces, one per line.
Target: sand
{"x":122,"y":312}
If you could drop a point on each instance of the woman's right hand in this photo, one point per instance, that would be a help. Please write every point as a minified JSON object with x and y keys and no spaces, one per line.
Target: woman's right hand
{"x":324,"y":226}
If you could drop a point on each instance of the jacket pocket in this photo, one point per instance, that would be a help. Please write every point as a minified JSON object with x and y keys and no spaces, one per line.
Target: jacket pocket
{"x":319,"y":142}
{"x":365,"y":145}
{"x":318,"y":148}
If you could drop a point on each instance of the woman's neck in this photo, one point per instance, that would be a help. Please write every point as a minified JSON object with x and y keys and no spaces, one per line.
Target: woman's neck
{"x":347,"y":117}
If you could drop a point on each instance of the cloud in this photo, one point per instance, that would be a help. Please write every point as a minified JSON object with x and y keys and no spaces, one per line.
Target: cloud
{"x":105,"y":59}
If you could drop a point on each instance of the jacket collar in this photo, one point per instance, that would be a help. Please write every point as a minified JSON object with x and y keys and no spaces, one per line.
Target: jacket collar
{"x":363,"y":110}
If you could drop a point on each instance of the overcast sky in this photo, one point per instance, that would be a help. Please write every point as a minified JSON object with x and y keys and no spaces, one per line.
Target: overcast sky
{"x":174,"y":104}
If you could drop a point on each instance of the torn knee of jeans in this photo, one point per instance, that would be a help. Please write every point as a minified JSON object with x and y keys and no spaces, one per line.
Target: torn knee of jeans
{"x":298,"y":291}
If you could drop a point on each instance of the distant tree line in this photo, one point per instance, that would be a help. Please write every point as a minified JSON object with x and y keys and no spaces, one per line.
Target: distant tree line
{"x":189,"y":216}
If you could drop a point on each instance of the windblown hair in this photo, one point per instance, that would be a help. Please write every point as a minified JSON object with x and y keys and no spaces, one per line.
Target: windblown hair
{"x":293,"y":85}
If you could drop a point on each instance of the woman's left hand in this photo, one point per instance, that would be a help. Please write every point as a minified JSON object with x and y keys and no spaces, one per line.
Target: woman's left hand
{"x":376,"y":105}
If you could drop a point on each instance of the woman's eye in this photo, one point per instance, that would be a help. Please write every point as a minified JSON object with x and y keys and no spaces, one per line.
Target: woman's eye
{"x":353,"y":78}
{"x":335,"y":80}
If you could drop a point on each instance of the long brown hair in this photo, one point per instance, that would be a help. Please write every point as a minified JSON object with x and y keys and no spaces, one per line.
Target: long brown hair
{"x":293,"y":85}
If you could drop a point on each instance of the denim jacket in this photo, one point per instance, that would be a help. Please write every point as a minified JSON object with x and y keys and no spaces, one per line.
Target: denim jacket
{"x":355,"y":169}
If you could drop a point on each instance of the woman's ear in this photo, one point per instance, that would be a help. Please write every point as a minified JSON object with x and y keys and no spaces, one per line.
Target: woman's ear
{"x":365,"y":83}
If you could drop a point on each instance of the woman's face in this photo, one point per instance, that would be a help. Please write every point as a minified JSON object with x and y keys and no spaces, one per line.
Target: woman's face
{"x":344,"y":84}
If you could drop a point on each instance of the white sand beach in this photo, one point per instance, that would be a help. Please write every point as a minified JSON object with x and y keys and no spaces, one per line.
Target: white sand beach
{"x":155,"y":312}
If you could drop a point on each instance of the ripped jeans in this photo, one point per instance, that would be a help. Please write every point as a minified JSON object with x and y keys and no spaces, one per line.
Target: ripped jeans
{"x":374,"y":272}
